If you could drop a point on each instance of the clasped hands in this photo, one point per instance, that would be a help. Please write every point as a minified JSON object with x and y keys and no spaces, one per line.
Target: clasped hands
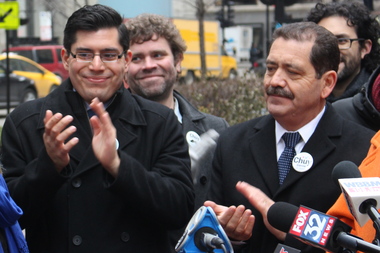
{"x":238,"y":221}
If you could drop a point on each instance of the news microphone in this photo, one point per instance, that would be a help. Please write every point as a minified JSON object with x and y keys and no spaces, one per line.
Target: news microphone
{"x":282,"y":248}
{"x":361,"y":194}
{"x":345,"y":169}
{"x":316,"y":229}
{"x":204,"y":234}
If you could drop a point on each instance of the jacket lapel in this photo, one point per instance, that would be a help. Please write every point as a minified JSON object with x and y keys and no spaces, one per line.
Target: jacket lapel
{"x":319,"y":145}
{"x":190,"y":116}
{"x":124,"y":111}
{"x":263,"y":148}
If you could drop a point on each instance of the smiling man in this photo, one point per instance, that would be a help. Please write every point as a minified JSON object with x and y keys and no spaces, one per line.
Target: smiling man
{"x":157,"y":52}
{"x":114,"y":182}
{"x":357,"y":32}
{"x":301,"y":73}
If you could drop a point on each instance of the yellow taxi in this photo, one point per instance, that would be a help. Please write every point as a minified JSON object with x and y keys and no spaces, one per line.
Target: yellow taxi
{"x":45,"y":80}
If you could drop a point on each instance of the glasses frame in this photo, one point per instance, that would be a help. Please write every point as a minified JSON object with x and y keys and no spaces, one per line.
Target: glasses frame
{"x":80,"y":60}
{"x":351,"y":40}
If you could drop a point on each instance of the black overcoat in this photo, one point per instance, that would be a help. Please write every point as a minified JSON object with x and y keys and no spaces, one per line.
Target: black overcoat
{"x":85,"y":209}
{"x":247,"y":152}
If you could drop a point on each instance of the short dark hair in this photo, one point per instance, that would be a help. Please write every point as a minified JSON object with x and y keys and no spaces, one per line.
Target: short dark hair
{"x":93,"y":18}
{"x":324,"y":55}
{"x":357,"y":16}
{"x":143,"y":27}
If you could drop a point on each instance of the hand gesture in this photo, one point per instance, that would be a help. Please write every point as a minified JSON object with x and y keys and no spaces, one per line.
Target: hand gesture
{"x":262,"y":203}
{"x":104,"y":139}
{"x":55,"y":138}
{"x":237,"y":222}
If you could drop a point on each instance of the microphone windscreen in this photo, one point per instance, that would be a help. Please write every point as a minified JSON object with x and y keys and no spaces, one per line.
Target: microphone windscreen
{"x":345,"y":169}
{"x":281,"y":215}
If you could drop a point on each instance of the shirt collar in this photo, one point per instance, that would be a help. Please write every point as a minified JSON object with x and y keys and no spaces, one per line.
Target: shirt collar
{"x":306,"y":131}
{"x":176,"y":110}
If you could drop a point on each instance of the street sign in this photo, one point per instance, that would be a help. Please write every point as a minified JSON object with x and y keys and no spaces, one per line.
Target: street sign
{"x":9,"y":15}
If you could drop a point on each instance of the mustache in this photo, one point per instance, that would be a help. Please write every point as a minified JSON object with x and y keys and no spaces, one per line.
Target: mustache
{"x":279,"y":91}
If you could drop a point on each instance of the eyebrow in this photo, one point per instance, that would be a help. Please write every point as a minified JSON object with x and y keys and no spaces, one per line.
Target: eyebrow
{"x":102,"y":50}
{"x":342,"y":35}
{"x":162,"y":51}
{"x":287,"y":65}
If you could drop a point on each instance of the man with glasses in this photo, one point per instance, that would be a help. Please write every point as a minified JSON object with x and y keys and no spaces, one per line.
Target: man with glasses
{"x":357,"y":34}
{"x":114,"y":182}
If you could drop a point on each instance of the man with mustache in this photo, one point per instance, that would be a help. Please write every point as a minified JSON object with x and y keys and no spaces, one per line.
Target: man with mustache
{"x":300,"y":75}
{"x":358,"y":34}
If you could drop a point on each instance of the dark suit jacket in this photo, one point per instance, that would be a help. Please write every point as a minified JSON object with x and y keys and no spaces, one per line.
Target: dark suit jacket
{"x":247,"y":152}
{"x":84,"y":209}
{"x":199,"y":122}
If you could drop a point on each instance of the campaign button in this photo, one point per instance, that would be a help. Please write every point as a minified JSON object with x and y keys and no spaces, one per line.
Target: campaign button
{"x":192,"y":138}
{"x":302,"y":162}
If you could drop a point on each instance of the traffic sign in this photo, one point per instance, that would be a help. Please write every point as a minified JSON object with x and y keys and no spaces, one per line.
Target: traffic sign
{"x":9,"y":15}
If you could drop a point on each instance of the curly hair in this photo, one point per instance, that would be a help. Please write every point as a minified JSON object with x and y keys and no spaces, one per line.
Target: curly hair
{"x":145,"y":26}
{"x":357,"y":16}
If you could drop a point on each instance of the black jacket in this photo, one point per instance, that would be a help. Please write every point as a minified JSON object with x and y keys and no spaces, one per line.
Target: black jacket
{"x":360,"y":108}
{"x":247,"y":152}
{"x":85,"y":209}
{"x":353,"y":88}
{"x":199,"y":122}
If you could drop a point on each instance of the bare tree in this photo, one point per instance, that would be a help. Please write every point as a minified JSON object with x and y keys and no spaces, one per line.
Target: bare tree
{"x":200,"y":13}
{"x":60,"y":11}
{"x":60,"y":7}
{"x":201,"y":7}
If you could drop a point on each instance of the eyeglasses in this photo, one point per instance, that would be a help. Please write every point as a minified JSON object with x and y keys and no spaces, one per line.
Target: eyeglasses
{"x":89,"y":57}
{"x":345,"y":43}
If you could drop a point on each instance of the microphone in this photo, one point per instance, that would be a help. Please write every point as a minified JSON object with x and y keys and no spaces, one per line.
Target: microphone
{"x":345,"y":169}
{"x":361,"y":194}
{"x":316,"y":229}
{"x":204,"y":234}
{"x":281,"y":248}
{"x":198,"y":150}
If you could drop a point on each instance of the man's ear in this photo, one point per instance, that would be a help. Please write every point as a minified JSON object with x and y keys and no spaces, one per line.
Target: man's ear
{"x":65,"y":58}
{"x":177,"y":61}
{"x":366,"y":49}
{"x":328,"y":83}
{"x":128,"y":57}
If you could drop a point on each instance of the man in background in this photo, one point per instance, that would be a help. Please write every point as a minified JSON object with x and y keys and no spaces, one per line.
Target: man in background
{"x":364,"y":107}
{"x":157,"y":52}
{"x":357,"y":34}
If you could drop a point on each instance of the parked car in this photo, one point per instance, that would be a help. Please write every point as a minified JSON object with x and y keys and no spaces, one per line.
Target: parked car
{"x":22,"y":89}
{"x":46,"y":81}
{"x":48,"y":56}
